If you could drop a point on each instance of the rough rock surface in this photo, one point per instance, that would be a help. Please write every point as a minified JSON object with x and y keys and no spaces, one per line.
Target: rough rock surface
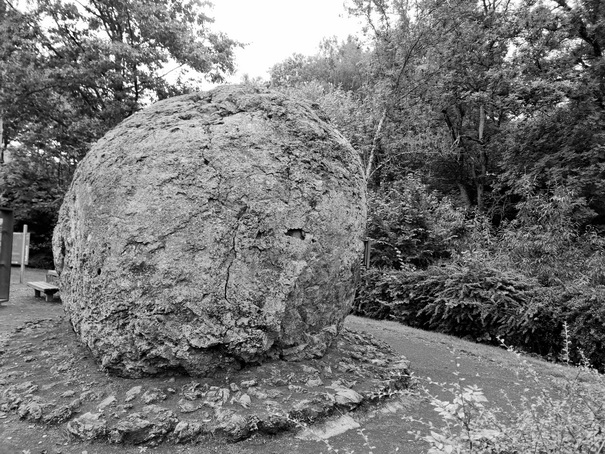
{"x":211,"y":231}
{"x":65,"y":388}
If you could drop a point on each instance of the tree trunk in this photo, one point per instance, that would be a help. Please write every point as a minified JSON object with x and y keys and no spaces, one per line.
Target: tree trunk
{"x":480,"y":197}
{"x":375,"y":141}
{"x":2,"y":143}
{"x":464,"y":196}
{"x":480,"y":179}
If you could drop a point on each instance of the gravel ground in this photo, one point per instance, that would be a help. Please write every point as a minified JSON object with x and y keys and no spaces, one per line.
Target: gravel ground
{"x":22,"y":305}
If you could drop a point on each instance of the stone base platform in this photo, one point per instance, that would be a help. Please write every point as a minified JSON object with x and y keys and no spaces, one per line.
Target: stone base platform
{"x":47,"y":377}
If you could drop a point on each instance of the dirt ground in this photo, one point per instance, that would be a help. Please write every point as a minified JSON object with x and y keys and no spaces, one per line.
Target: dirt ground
{"x":384,"y":429}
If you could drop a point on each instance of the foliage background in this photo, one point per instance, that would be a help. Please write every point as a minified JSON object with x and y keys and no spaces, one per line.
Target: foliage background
{"x":481,"y":127}
{"x":72,"y":70}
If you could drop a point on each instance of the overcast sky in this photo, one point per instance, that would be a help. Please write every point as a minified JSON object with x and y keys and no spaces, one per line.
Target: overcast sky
{"x":275,"y":29}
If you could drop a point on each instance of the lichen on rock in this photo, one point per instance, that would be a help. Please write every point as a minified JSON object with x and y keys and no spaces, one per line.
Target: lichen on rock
{"x":210,"y":231}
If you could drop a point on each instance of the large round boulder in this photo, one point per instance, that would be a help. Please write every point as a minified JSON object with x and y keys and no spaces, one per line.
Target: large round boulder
{"x":210,"y":231}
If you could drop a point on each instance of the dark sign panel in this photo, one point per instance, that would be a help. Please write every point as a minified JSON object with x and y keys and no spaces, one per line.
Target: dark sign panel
{"x":6,"y":248}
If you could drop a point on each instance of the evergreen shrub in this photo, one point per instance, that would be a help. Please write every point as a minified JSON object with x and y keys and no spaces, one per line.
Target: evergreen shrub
{"x":585,"y":314}
{"x":410,"y":225}
{"x":480,"y":303}
{"x":487,"y":305}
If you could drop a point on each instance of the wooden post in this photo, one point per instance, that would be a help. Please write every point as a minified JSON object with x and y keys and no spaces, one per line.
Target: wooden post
{"x":23,"y":253}
{"x":367,"y":250}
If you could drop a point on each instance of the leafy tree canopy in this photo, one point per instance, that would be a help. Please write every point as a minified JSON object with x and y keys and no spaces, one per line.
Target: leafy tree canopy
{"x":478,"y":95}
{"x":70,"y":70}
{"x":338,"y":64}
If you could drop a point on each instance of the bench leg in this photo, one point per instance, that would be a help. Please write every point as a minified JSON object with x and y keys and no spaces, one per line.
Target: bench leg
{"x":37,"y":293}
{"x":48,"y":297}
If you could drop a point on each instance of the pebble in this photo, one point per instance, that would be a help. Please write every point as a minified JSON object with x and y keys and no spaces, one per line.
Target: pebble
{"x":111,"y":400}
{"x":132,"y":393}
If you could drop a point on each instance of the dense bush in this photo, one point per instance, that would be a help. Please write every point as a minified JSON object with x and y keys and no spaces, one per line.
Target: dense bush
{"x":34,"y":187}
{"x":585,"y":314}
{"x":546,"y":241}
{"x":409,"y":224}
{"x":490,"y":306}
{"x":476,"y":302}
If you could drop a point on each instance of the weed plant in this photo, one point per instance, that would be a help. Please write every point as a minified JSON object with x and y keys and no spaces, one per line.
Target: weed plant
{"x":567,"y":418}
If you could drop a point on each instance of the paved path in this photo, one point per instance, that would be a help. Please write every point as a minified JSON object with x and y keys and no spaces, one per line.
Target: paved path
{"x":433,"y":356}
{"x":448,"y":359}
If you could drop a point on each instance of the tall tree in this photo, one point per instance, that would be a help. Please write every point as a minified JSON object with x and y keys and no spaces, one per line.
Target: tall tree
{"x":98,"y":61}
{"x":560,"y":138}
{"x":338,"y":64}
{"x":399,"y":46}
{"x":473,"y":91}
{"x":70,"y":70}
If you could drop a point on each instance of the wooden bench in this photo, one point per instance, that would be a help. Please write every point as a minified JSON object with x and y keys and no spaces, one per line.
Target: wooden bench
{"x":41,"y":286}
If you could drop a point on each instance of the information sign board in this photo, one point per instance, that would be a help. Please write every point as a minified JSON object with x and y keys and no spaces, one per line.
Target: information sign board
{"x":17,"y":245}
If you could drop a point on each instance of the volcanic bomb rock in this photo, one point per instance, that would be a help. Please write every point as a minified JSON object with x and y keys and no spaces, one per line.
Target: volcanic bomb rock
{"x":210,"y":231}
